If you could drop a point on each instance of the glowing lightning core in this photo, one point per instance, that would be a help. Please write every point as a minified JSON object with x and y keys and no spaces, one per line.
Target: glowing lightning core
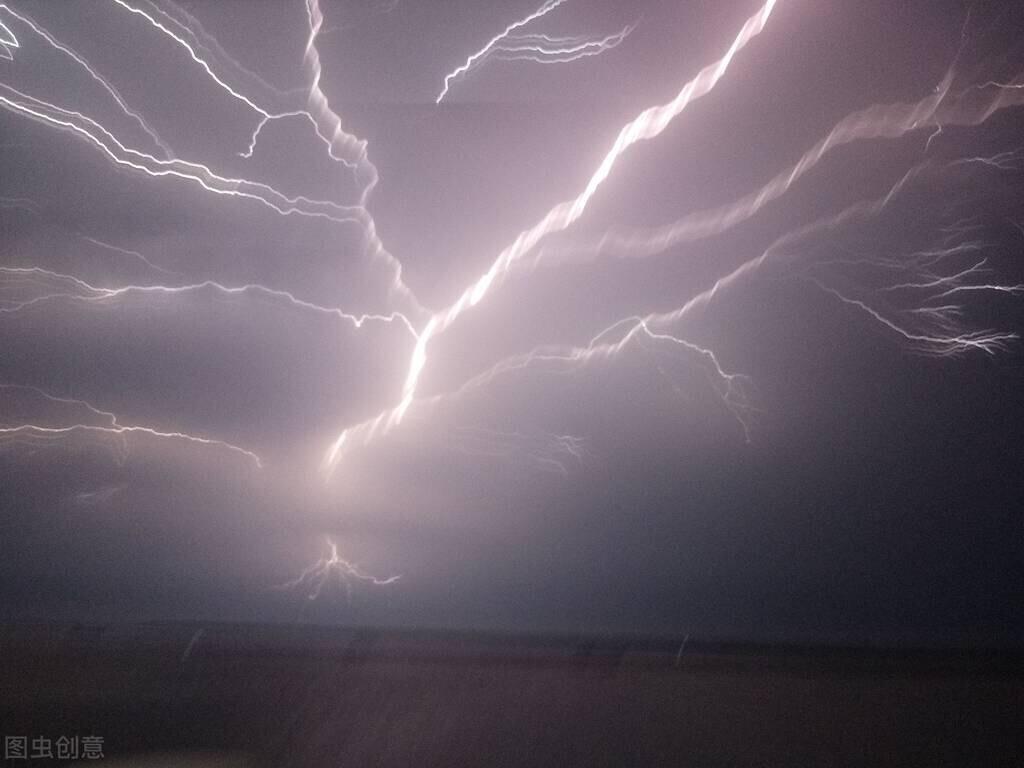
{"x":646,"y":125}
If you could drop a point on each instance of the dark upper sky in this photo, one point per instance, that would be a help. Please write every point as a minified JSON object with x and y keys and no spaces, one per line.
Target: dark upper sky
{"x":765,"y":385}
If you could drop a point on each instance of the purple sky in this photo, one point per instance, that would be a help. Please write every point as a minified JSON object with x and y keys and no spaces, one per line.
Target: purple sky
{"x":762,"y":380}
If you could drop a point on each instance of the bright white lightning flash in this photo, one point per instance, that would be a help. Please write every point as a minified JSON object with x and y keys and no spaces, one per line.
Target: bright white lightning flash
{"x":547,"y":49}
{"x":928,"y":327}
{"x":610,"y":343}
{"x":333,"y":568}
{"x":888,"y":121}
{"x":340,"y":145}
{"x":646,"y":125}
{"x":329,"y":124}
{"x":187,"y":39}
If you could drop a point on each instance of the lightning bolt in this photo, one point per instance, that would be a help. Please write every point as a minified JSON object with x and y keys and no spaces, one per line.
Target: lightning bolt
{"x":474,"y":59}
{"x":920,"y":296}
{"x":647,"y":125}
{"x":627,"y":333}
{"x":536,"y":48}
{"x":66,"y":287}
{"x":341,"y":146}
{"x":333,"y":567}
{"x":937,"y":331}
{"x":876,"y":122}
{"x":81,"y":61}
{"x":34,"y":434}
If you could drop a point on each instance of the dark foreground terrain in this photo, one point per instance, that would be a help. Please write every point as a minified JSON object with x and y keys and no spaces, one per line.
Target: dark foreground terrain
{"x":182,"y":695}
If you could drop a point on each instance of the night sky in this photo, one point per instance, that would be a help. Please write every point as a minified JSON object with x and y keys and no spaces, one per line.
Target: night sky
{"x":759,"y":380}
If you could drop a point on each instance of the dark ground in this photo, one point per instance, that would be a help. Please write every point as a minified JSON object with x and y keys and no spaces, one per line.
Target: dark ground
{"x":319,"y":696}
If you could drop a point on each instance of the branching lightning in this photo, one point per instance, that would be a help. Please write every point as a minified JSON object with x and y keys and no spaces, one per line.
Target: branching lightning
{"x":888,"y":121}
{"x":56,"y":287}
{"x":921,"y":296}
{"x":333,"y":569}
{"x":341,"y":146}
{"x":142,"y":162}
{"x":548,"y":49}
{"x":110,"y":427}
{"x":536,"y":48}
{"x":646,"y":125}
{"x":7,"y":42}
{"x":80,"y":60}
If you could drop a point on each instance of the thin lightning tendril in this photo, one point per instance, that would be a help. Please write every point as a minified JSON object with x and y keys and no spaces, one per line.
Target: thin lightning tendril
{"x":79,"y":290}
{"x":536,"y":48}
{"x":316,"y":577}
{"x":876,"y":122}
{"x":474,"y":59}
{"x":81,"y":61}
{"x":35,"y":433}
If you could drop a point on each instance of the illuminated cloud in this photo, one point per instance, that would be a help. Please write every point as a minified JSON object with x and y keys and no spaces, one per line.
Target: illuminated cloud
{"x":671,"y":307}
